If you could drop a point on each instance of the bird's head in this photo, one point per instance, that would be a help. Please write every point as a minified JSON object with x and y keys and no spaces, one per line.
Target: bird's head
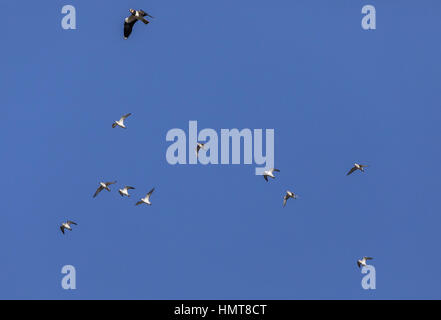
{"x":132,"y":11}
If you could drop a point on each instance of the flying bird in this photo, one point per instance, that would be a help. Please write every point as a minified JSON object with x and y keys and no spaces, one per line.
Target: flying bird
{"x":288,"y":195}
{"x":146,"y":200}
{"x":120,"y":122}
{"x":269,"y":173}
{"x":66,"y":225}
{"x":199,"y":147}
{"x":125,"y":191}
{"x":135,"y":15}
{"x":362,"y":262}
{"x":356,"y":167}
{"x":103,"y":185}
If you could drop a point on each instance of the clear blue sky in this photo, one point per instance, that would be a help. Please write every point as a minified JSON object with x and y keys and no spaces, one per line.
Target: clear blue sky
{"x":334,"y":93}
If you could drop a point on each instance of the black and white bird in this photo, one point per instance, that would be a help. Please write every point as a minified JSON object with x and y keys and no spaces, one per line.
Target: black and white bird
{"x":103,"y":185}
{"x":356,"y":167}
{"x":67,"y":225}
{"x":135,"y":15}
{"x":125,"y":191}
{"x":146,"y":200}
{"x":199,"y":147}
{"x":269,"y":173}
{"x":288,"y":195}
{"x":120,"y":122}
{"x":362,"y":262}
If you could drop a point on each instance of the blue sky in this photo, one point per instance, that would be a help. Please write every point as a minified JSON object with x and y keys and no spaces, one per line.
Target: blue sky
{"x":334,"y":94}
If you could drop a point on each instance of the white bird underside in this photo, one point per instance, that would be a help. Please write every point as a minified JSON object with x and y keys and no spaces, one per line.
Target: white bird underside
{"x":362,"y":262}
{"x":67,"y":225}
{"x":125,"y":191}
{"x":356,"y":167}
{"x":130,"y":21}
{"x":288,"y":195}
{"x":269,"y":173}
{"x":103,"y":185}
{"x":199,"y":147}
{"x":146,"y":200}
{"x":120,"y":122}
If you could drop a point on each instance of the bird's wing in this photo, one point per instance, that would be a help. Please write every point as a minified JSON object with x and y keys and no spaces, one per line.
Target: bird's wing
{"x":113,"y":125}
{"x":98,"y":191}
{"x":276,"y":170}
{"x":71,"y":222}
{"x":364,"y":165}
{"x":368,"y":258}
{"x":284,"y":200}
{"x":352,"y":170}
{"x":130,"y":19}
{"x":128,"y":26}
{"x":110,"y":183}
{"x":62,"y":229}
{"x":128,"y":188}
{"x":265,"y":177}
{"x":126,"y":116}
{"x":143,"y":13}
{"x":138,"y":203}
{"x":150,"y":193}
{"x":358,"y":263}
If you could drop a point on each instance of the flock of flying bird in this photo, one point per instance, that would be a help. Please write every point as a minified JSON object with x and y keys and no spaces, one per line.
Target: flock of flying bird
{"x":129,"y":22}
{"x":124,"y":191}
{"x":105,"y":185}
{"x":289,"y":194}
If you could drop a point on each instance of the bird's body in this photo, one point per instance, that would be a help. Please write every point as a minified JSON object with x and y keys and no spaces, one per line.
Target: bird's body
{"x":67,"y":225}
{"x":199,"y":147}
{"x":129,"y":22}
{"x":146,"y":200}
{"x":125,"y":191}
{"x":356,"y":167}
{"x":103,"y":185}
{"x":288,"y":195}
{"x":270,"y":173}
{"x":362,"y":262}
{"x":120,"y":122}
